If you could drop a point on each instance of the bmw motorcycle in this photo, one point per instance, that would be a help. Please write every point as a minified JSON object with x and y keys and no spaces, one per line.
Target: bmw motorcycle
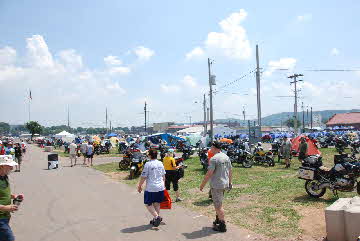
{"x":240,"y":156}
{"x":341,"y":177}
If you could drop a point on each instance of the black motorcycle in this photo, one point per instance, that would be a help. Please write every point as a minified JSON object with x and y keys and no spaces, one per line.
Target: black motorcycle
{"x":240,"y":156}
{"x":340,"y":145}
{"x":137,"y":163}
{"x":203,"y":156}
{"x":342,"y":177}
{"x":122,"y":147}
{"x":355,"y":147}
{"x":187,"y":152}
{"x":163,"y":150}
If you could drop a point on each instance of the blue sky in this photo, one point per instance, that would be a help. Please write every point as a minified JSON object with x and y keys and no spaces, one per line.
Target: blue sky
{"x":60,"y":50}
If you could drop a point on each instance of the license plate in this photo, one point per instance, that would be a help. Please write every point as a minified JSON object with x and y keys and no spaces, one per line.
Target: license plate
{"x":306,"y":174}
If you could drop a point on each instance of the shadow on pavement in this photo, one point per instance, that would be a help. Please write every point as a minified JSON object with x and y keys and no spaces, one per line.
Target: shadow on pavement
{"x":203,"y":203}
{"x":204,"y":232}
{"x":137,"y":229}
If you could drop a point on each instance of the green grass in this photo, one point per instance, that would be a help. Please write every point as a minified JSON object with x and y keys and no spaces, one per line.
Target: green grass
{"x":263,"y":199}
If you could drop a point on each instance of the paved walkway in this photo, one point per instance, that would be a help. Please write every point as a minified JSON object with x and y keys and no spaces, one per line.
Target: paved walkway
{"x":80,"y":203}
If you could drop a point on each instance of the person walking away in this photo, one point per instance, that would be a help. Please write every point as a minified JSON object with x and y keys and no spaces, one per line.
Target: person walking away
{"x":72,"y":153}
{"x":18,"y":156}
{"x":23,"y":147}
{"x":83,"y":150}
{"x":171,"y":175}
{"x":220,"y":176}
{"x":154,"y":175}
{"x":6,"y":208}
{"x":90,"y":153}
{"x":303,"y":149}
{"x":286,"y":149}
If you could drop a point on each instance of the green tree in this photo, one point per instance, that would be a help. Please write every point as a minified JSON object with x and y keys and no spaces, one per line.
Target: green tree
{"x":34,"y":128}
{"x":291,"y":122}
{"x":4,"y":128}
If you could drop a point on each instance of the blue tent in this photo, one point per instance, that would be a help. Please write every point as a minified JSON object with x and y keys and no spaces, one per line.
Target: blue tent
{"x":112,"y":135}
{"x":170,"y":139}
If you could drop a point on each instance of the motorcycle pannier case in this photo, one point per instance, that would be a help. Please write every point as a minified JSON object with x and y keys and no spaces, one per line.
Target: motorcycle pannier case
{"x":306,"y":173}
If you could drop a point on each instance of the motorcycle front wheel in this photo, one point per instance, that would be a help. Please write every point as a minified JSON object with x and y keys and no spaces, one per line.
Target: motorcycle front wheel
{"x":247,"y":163}
{"x":123,"y":164}
{"x":271,"y":162}
{"x":312,"y":191}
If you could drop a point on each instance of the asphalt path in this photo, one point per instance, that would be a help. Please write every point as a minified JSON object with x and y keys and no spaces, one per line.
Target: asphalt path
{"x":80,"y":203}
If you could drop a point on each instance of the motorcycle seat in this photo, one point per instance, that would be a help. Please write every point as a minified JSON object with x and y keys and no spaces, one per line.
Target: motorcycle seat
{"x":325,"y":169}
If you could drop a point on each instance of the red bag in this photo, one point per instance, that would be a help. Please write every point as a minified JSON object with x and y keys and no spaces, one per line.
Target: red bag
{"x":166,"y":204}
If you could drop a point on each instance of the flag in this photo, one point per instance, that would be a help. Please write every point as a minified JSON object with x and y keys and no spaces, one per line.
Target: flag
{"x":30,"y":95}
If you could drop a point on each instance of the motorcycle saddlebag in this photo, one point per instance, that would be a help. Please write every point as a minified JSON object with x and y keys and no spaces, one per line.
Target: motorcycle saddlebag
{"x":306,"y":173}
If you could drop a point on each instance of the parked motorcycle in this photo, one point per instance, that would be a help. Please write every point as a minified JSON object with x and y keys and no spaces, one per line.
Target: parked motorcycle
{"x":100,"y":149}
{"x":355,"y":147}
{"x":187,"y":152}
{"x":122,"y":147}
{"x":137,"y":163}
{"x":340,"y":145}
{"x":163,"y":150}
{"x":240,"y":156}
{"x":263,"y":157}
{"x":342,"y":177}
{"x":203,"y":156}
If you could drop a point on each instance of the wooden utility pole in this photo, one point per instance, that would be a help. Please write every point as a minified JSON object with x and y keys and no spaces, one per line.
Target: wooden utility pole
{"x":295,"y":105}
{"x":211,"y":82}
{"x":205,"y":123}
{"x":303,"y":116}
{"x":145,"y":114}
{"x":258,"y":87}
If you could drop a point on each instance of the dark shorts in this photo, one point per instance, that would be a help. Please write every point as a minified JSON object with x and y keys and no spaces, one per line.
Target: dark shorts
{"x":18,"y":159}
{"x":171,"y":177}
{"x":153,"y":197}
{"x":90,"y":156}
{"x":6,"y":233}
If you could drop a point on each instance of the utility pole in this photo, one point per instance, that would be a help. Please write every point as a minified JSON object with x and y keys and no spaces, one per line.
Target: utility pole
{"x":110,"y":126}
{"x":68,"y":118}
{"x":311,"y":118}
{"x":307,"y":116}
{"x":295,"y":105}
{"x":258,"y":87}
{"x":244,"y":112}
{"x":205,"y":123}
{"x":211,"y":83}
{"x":106,"y":120}
{"x":145,"y":114}
{"x":207,"y":116}
{"x":303,"y":117}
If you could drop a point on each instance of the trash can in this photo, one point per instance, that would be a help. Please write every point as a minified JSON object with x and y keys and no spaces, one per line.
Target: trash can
{"x":53,"y":161}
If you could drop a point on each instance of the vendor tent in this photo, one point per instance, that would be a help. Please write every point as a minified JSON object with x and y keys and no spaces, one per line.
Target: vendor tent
{"x":312,"y":148}
{"x":65,"y":136}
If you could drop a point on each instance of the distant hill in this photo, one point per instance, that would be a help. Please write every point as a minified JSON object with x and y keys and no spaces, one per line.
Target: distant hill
{"x":276,"y":119}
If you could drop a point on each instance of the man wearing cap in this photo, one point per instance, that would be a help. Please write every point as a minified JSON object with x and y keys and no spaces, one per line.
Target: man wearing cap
{"x":6,"y":165}
{"x":220,"y":175}
{"x":303,"y":149}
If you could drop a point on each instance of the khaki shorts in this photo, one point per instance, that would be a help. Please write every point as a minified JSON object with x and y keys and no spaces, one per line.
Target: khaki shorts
{"x":72,"y":156}
{"x":217,"y":196}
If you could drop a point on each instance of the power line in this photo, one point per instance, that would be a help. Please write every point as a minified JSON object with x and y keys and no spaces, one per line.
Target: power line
{"x":234,"y":81}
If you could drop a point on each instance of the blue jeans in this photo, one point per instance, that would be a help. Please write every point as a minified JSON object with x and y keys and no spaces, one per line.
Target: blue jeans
{"x":6,"y":233}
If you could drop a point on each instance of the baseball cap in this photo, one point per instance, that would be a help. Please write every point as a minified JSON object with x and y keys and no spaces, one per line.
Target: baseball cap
{"x":7,"y":160}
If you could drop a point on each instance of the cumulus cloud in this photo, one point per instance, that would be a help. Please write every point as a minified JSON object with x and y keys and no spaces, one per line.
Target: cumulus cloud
{"x":7,"y":56}
{"x":282,"y":63}
{"x":71,"y":59}
{"x":144,"y":53}
{"x":112,"y":60}
{"x":195,"y":53}
{"x":335,"y":52}
{"x":232,"y":41}
{"x":304,"y":18}
{"x":119,"y":70}
{"x":38,"y":52}
{"x":167,"y":88}
{"x":189,"y":81}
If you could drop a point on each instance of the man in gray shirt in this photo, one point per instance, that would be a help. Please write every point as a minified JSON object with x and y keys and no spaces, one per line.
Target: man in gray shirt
{"x":220,"y":175}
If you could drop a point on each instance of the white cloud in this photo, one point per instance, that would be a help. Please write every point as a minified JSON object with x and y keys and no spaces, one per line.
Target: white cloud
{"x":304,"y":18}
{"x":166,"y":88}
{"x":282,"y":63}
{"x":71,"y":59}
{"x":195,"y":53}
{"x":112,"y":60}
{"x":38,"y":52}
{"x":335,"y":52}
{"x":232,"y":41}
{"x":115,"y":87}
{"x":7,"y":56}
{"x":119,"y":70}
{"x":189,"y":81}
{"x":144,"y":53}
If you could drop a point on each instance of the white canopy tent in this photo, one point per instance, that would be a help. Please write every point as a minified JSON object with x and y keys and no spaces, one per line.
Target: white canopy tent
{"x":65,"y":136}
{"x":219,"y":130}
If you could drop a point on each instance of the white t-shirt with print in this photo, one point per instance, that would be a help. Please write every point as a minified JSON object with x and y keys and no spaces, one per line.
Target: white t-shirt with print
{"x":154,"y":172}
{"x":72,"y":148}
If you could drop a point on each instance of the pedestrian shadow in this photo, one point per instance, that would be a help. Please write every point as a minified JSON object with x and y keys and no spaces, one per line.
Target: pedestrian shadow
{"x":204,"y":232}
{"x":203,"y":203}
{"x":137,"y":229}
{"x":305,"y":199}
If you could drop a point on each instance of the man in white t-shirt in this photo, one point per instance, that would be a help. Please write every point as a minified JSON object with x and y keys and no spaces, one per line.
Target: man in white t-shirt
{"x":72,"y":153}
{"x":154,"y":175}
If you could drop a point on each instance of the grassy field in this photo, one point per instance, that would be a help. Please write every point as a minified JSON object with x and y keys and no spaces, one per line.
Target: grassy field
{"x":264,"y":199}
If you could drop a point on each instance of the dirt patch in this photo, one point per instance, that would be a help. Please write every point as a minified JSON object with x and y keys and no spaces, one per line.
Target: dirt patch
{"x":118,"y":175}
{"x":241,"y":185}
{"x":312,"y":223}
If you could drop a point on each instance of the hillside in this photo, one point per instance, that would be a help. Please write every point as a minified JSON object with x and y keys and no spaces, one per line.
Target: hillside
{"x":276,"y":119}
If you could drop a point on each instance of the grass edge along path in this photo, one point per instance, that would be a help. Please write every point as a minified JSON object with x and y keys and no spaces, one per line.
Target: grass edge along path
{"x":264,"y":199}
